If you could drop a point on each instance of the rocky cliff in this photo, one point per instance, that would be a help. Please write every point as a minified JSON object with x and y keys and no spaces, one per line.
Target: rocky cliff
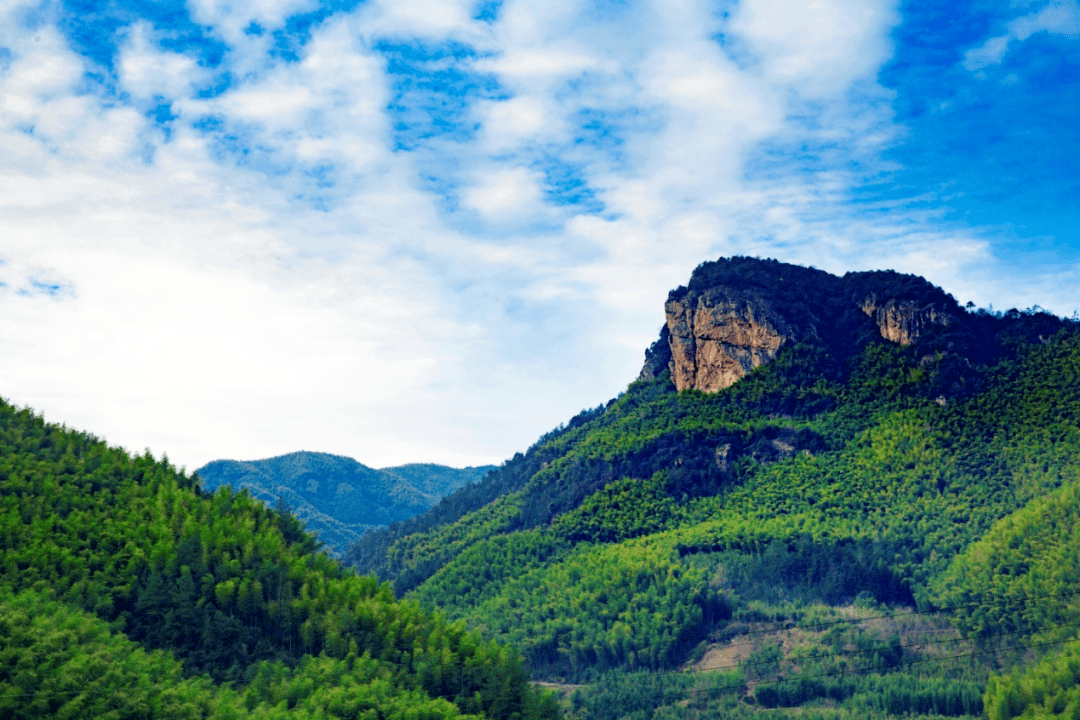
{"x":737,"y":314}
{"x":717,"y":337}
{"x":903,"y":321}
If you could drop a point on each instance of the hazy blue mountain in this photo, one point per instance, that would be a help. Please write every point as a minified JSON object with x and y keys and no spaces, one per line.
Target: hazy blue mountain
{"x":336,"y":496}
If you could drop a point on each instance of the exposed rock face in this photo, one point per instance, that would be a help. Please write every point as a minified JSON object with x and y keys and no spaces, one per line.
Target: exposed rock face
{"x":717,"y":337}
{"x":903,"y":321}
{"x":736,"y":314}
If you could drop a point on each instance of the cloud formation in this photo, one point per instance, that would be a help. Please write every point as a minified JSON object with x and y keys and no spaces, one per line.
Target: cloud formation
{"x":416,"y":231}
{"x":1060,"y":17}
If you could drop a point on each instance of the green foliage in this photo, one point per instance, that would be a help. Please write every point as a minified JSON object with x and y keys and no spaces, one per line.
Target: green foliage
{"x":336,"y":496}
{"x":1050,"y":689}
{"x":1022,"y":575}
{"x":887,"y":694}
{"x":849,"y":471}
{"x":873,"y":498}
{"x":422,"y":554}
{"x":57,"y":662}
{"x":222,"y":582}
{"x":694,"y":696}
{"x":624,"y":509}
{"x":642,"y":694}
{"x":808,"y":570}
{"x":602,"y":607}
{"x":823,"y":665}
{"x":478,"y":574}
{"x":924,"y":482}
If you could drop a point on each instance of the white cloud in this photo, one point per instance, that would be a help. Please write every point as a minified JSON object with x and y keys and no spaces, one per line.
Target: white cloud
{"x":508,"y":124}
{"x":411,"y":19}
{"x":1060,"y":17}
{"x":502,"y":195}
{"x":989,"y":53}
{"x":290,"y":279}
{"x":146,"y":71}
{"x":231,"y":19}
{"x":818,"y":47}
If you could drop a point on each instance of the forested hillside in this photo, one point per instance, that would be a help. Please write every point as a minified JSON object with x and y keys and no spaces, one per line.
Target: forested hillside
{"x":875,"y":517}
{"x":127,"y":592}
{"x":872,"y":523}
{"x":336,"y":497}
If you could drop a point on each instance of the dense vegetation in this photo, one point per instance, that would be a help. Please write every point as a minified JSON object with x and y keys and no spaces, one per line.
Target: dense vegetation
{"x":661,"y":528}
{"x":857,"y":529}
{"x":125,"y":591}
{"x":336,"y":497}
{"x":1050,"y":689}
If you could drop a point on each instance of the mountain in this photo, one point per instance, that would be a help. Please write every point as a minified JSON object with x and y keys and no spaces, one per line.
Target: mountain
{"x":736,"y":316}
{"x":336,"y":497}
{"x":127,"y":591}
{"x":811,"y":503}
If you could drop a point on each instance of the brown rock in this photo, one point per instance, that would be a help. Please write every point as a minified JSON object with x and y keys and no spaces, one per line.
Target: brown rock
{"x":719,"y":336}
{"x":903,"y":321}
{"x":737,"y":314}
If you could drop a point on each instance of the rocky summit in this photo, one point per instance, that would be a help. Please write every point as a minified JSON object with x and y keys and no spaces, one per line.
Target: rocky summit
{"x":736,"y":314}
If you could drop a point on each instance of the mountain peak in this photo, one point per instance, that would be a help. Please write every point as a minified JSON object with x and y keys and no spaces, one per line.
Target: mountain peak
{"x":336,"y":496}
{"x":737,"y":313}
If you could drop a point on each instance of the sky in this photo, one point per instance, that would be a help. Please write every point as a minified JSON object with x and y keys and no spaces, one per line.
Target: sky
{"x":419,"y":231}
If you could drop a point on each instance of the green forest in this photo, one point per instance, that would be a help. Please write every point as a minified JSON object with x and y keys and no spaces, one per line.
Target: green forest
{"x":127,"y":592}
{"x":859,"y":528}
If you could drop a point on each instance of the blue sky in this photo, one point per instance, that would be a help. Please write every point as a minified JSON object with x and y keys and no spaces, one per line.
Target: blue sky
{"x":997,"y":133}
{"x":417,"y":231}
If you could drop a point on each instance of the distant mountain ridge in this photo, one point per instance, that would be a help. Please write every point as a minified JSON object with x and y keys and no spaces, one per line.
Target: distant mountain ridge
{"x":336,"y":496}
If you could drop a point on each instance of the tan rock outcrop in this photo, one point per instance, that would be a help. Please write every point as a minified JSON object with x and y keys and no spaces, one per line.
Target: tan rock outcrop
{"x":903,"y":321}
{"x":716,"y":338}
{"x":736,"y":314}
